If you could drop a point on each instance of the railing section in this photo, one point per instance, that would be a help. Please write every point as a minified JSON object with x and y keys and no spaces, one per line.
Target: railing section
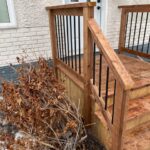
{"x":135,"y":30}
{"x":81,"y":51}
{"x":110,"y":84}
{"x":70,"y":49}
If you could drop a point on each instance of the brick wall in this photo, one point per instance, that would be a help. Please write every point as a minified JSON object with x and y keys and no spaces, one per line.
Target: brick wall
{"x":30,"y":35}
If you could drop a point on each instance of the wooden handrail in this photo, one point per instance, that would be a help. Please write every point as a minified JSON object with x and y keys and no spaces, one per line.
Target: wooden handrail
{"x":72,"y":5}
{"x":110,"y":56}
{"x":134,"y":6}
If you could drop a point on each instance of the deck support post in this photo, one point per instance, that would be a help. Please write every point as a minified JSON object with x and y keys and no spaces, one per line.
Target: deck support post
{"x":88,"y":12}
{"x":53,"y":39}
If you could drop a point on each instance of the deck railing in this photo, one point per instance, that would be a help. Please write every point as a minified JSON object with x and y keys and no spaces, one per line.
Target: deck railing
{"x":69,"y":28}
{"x":76,"y":57}
{"x":135,"y":30}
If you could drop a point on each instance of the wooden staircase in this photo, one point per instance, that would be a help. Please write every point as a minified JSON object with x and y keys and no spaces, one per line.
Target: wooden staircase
{"x":137,"y":120}
{"x":115,"y":88}
{"x":138,"y":115}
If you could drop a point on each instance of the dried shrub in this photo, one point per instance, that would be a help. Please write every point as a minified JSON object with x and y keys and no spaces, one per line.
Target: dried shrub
{"x":38,"y":107}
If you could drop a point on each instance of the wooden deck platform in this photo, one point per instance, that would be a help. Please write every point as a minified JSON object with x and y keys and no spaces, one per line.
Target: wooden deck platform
{"x":139,"y":71}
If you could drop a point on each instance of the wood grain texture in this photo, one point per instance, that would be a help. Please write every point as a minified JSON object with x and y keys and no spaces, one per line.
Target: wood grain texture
{"x":52,"y":28}
{"x":100,"y":102}
{"x":136,"y":8}
{"x":74,"y":76}
{"x":69,"y":11}
{"x":134,"y":52}
{"x":138,"y":70}
{"x":88,"y":12}
{"x":120,"y":117}
{"x":72,"y":5}
{"x":122,"y":30}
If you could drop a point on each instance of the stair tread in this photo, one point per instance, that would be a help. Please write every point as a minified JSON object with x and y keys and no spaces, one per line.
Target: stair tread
{"x":138,"y":139}
{"x":138,"y":112}
{"x":138,"y":107}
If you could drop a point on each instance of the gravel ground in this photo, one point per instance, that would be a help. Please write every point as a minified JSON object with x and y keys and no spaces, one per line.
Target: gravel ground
{"x":6,"y":128}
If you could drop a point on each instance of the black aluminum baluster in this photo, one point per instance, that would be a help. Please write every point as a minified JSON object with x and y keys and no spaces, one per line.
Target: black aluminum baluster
{"x":71,"y":41}
{"x":59,"y":33}
{"x":94,"y":53}
{"x":126,"y":30}
{"x":62,"y":41}
{"x":130,"y":30}
{"x":65,"y":45}
{"x":113,"y":109}
{"x":148,"y":45}
{"x":100,"y":75}
{"x":139,"y":32}
{"x":56,"y":25}
{"x":67,"y":26}
{"x":134,"y":30}
{"x":145,"y":31}
{"x":107,"y":83}
{"x":79,"y":45}
{"x":75,"y":49}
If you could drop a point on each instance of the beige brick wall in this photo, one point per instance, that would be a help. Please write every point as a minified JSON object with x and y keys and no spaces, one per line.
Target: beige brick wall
{"x":31,"y":33}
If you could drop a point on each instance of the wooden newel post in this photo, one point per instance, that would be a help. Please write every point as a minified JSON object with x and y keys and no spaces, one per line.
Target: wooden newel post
{"x":120,"y":113}
{"x":53,"y":38}
{"x":88,"y":12}
{"x":122,"y":29}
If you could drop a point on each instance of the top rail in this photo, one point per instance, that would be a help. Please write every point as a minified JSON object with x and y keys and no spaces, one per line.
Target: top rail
{"x":111,"y":57}
{"x":72,"y":5}
{"x":136,"y":8}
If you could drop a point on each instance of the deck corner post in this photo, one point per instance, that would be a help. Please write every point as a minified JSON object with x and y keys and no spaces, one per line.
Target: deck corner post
{"x":122,"y":30}
{"x":88,"y":12}
{"x":53,"y":39}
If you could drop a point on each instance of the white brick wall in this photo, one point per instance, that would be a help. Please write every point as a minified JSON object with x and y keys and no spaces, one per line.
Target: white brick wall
{"x":31,"y":33}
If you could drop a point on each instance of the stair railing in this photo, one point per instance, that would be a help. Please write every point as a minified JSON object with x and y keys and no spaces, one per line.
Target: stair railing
{"x":135,"y":30}
{"x":75,"y":38}
{"x":111,"y":71}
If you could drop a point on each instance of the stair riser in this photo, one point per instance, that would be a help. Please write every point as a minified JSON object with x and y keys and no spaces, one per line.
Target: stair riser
{"x":140,"y":92}
{"x":136,"y":93}
{"x":138,"y":121}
